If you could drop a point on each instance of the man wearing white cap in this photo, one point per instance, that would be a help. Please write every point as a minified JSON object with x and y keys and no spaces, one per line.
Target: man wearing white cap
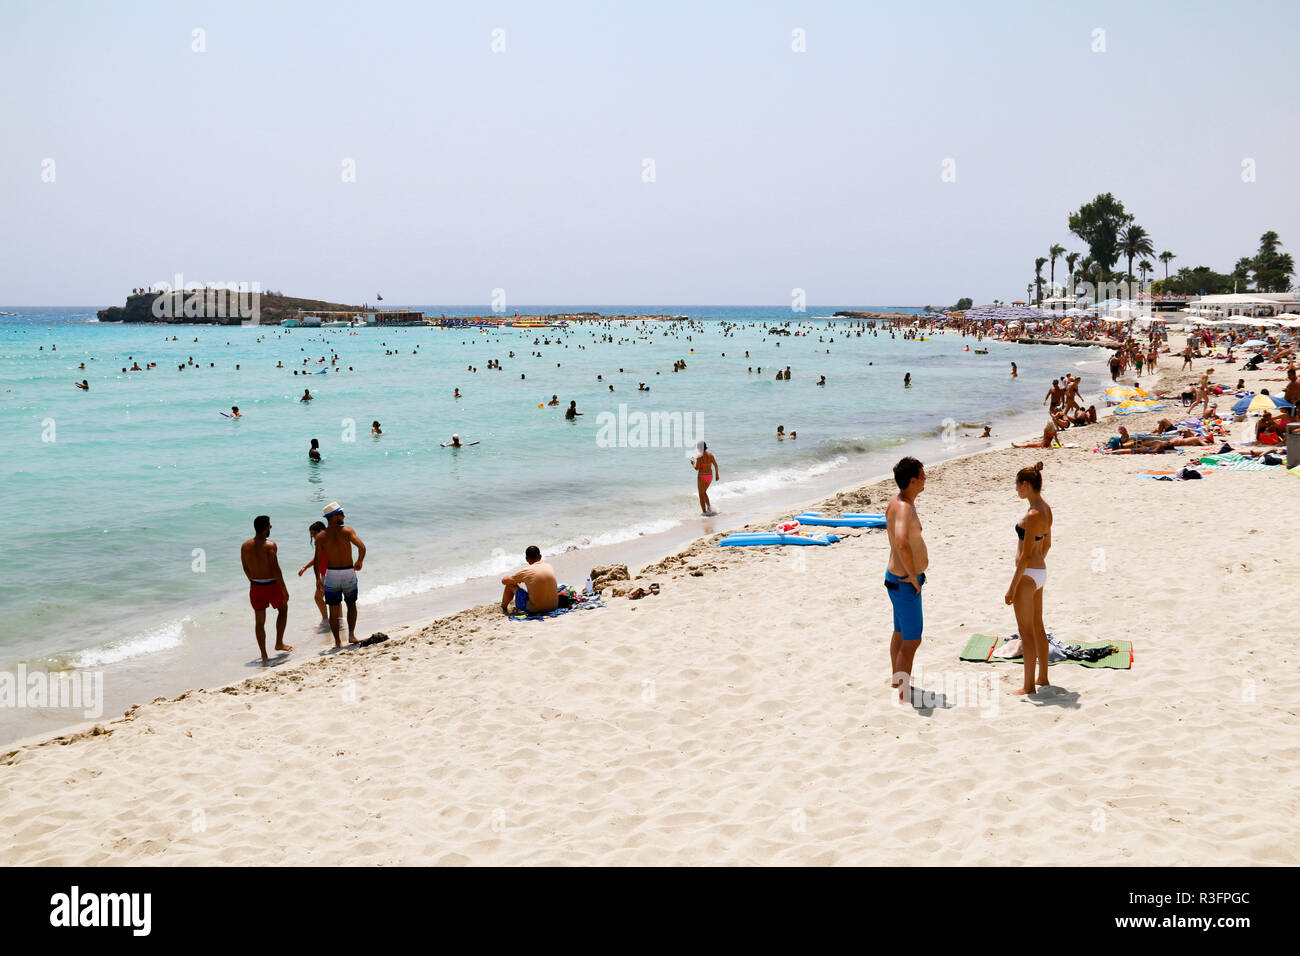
{"x":334,"y":552}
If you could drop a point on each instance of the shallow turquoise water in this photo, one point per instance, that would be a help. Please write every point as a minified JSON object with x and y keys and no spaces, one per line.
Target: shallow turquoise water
{"x":128,"y":503}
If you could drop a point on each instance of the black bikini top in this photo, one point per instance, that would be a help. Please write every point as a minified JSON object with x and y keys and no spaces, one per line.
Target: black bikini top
{"x":1020,"y":533}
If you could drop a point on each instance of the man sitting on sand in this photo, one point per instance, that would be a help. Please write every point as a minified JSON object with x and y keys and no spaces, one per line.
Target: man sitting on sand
{"x":533,"y":588}
{"x":905,"y":572}
{"x":1049,"y":436}
{"x":266,"y":585}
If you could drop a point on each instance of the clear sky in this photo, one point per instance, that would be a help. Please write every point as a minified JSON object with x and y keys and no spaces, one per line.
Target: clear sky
{"x":524,"y":169}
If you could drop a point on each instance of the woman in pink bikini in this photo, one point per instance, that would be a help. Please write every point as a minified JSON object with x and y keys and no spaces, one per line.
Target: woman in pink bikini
{"x":706,"y":470}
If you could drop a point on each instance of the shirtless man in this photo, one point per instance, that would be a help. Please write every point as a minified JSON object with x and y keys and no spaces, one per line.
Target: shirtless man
{"x":905,"y":574}
{"x":1049,"y":436}
{"x":334,"y":552}
{"x":532,"y":589}
{"x":1072,"y":402}
{"x":1292,"y":391}
{"x":266,"y":585}
{"x":1054,"y":395}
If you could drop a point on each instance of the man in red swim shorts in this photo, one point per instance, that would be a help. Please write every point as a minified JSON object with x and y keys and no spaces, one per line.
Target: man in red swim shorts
{"x":266,"y":586}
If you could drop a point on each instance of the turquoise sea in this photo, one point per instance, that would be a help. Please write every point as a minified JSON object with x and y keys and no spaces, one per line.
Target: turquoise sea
{"x":126,"y":505}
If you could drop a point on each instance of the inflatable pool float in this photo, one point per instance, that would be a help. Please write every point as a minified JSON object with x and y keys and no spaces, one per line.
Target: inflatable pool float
{"x":742,"y":540}
{"x":845,"y":521}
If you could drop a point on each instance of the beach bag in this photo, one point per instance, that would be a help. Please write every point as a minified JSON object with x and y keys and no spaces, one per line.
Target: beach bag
{"x":1189,"y":473}
{"x":1271,"y":459}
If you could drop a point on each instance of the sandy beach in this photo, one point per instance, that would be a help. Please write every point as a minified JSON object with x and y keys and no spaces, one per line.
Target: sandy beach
{"x":742,"y":715}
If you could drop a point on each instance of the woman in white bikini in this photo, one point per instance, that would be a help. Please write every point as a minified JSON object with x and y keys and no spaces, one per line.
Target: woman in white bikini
{"x":1026,"y":591}
{"x":706,"y":471}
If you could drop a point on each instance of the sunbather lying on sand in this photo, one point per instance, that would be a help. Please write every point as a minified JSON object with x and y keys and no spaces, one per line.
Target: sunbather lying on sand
{"x":1154,"y":446}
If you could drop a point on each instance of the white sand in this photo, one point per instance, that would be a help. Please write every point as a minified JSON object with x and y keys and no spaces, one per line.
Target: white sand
{"x":743,"y":716}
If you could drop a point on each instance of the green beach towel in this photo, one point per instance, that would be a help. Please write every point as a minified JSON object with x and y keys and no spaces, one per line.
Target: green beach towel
{"x":980,"y":649}
{"x":1235,"y":461}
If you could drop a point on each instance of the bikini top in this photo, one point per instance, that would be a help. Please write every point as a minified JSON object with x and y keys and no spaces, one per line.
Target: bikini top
{"x":1020,"y":533}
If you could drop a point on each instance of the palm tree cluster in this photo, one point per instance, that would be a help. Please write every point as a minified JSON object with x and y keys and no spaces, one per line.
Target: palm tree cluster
{"x":1125,"y":239}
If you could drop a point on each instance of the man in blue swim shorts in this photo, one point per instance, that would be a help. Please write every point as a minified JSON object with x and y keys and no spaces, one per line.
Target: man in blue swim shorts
{"x":905,"y":575}
{"x":339,"y":580}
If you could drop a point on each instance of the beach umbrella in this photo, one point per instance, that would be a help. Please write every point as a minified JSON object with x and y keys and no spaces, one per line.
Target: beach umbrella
{"x":1118,"y":393}
{"x":1259,"y":403}
{"x":1255,"y":344}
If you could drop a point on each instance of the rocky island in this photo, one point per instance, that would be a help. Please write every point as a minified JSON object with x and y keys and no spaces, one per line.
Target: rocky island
{"x":216,"y":306}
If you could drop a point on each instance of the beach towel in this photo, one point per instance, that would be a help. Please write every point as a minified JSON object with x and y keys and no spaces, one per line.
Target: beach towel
{"x":1171,"y":475}
{"x":980,"y":649}
{"x":1235,"y":461}
{"x":590,"y":604}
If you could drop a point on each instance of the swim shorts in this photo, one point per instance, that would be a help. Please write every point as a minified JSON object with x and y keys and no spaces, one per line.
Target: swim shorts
{"x":340,"y":585}
{"x":521,"y":599}
{"x":906,"y":600}
{"x":264,"y":594}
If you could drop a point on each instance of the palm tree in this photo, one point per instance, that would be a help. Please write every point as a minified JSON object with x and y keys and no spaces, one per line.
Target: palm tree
{"x":1055,"y":253}
{"x":1070,"y":260}
{"x":1167,"y":257}
{"x":1038,"y":276}
{"x":1086,"y":268}
{"x":1133,"y":242}
{"x":1144,"y":267}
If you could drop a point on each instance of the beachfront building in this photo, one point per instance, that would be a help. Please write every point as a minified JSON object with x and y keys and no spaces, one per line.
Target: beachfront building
{"x":1248,"y":304}
{"x":1062,"y":304}
{"x":317,"y":318}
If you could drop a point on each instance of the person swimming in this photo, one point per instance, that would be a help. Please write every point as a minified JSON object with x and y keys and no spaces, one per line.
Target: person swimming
{"x":314,"y":452}
{"x":306,"y":395}
{"x":455,"y":442}
{"x":375,"y":429}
